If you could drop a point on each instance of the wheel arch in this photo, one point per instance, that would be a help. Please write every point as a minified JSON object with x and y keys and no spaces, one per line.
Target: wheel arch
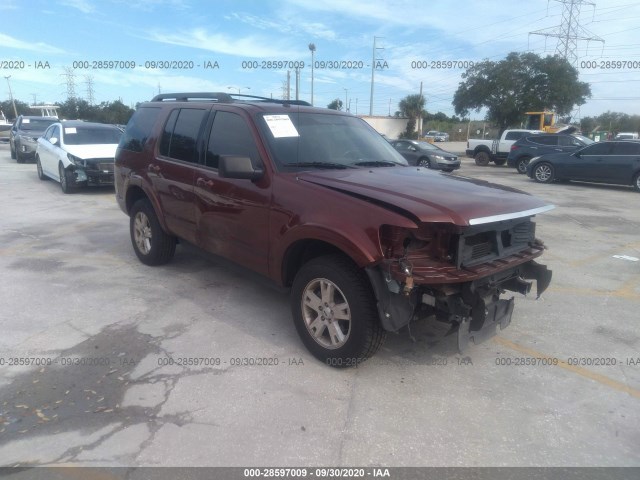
{"x":135,"y":193}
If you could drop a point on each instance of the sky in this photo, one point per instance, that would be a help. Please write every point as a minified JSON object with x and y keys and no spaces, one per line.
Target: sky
{"x":247,"y":46}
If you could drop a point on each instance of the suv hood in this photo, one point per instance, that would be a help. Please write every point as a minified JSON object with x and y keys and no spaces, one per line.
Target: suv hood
{"x":426,"y":196}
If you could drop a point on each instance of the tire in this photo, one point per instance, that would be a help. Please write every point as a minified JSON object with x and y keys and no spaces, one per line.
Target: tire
{"x":424,"y":162}
{"x":41,"y":174}
{"x":500,"y":161}
{"x":19,"y":157}
{"x":636,"y":182}
{"x":334,"y":280}
{"x":13,"y":153}
{"x":153,"y":246}
{"x":543,"y":173}
{"x":521,"y":164}
{"x":65,"y":186}
{"x":482,"y":159}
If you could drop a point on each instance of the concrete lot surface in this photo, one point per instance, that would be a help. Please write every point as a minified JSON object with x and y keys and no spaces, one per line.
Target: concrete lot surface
{"x":107,"y":362}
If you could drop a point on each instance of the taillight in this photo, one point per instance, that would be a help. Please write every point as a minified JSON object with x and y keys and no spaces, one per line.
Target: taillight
{"x":514,"y":147}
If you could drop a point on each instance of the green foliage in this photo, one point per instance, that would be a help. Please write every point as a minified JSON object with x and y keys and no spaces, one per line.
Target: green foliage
{"x":611,"y":122}
{"x":107,"y":112}
{"x":21,"y":107}
{"x":335,"y":105}
{"x":412,"y":106}
{"x":521,"y":82}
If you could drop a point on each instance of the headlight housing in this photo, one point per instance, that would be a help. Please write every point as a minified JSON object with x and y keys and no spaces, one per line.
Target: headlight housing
{"x":76,"y":160}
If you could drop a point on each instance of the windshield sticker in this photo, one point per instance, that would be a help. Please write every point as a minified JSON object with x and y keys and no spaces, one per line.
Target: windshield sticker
{"x":281,"y":126}
{"x":26,"y":120}
{"x":70,"y":130}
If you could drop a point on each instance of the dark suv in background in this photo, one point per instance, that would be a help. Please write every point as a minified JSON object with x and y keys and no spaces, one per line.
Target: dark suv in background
{"x":23,"y":137}
{"x":318,"y":201}
{"x":532,"y":146}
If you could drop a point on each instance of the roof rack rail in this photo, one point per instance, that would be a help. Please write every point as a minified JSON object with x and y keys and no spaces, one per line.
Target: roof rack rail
{"x":222,"y":97}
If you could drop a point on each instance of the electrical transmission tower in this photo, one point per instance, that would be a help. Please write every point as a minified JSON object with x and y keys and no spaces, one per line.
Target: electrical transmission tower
{"x":71,"y":82}
{"x":569,"y":32}
{"x":88,"y":81}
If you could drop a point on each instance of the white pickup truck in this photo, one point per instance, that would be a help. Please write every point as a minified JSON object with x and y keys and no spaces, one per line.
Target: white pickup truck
{"x":485,"y":151}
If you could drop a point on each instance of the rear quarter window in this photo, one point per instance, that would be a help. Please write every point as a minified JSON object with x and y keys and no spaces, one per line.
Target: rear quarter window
{"x":139,"y":128}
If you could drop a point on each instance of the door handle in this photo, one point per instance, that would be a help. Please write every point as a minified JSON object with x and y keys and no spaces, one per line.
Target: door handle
{"x":202,"y":183}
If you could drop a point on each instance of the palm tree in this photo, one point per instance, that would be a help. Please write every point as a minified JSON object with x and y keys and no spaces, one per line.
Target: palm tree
{"x":412,"y":106}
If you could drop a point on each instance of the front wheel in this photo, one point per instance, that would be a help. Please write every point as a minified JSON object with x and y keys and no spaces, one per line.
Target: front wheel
{"x":19,"y":157}
{"x":482,"y":159}
{"x":636,"y":182}
{"x":424,"y":162}
{"x":543,"y":173}
{"x":522,"y":164}
{"x":13,"y":153}
{"x":66,"y":183}
{"x":153,"y":246}
{"x":334,"y":311}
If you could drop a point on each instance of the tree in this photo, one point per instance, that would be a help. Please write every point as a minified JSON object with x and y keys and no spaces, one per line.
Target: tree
{"x":412,"y":106}
{"x":335,"y":105}
{"x":21,"y":107}
{"x":521,"y":82}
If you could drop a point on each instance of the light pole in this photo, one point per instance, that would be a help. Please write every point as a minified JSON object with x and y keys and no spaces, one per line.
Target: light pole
{"x":346,"y":92}
{"x":312,"y":47}
{"x":15,"y":112}
{"x":239,"y":88}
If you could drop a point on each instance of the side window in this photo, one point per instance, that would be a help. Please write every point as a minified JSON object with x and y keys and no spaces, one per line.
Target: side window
{"x":47,"y":134}
{"x":183,"y":139}
{"x":139,"y":128}
{"x":597,"y":149}
{"x":569,"y":141}
{"x":626,"y":148}
{"x":165,"y":139}
{"x":545,"y":140}
{"x":55,"y":133}
{"x":514,"y":135}
{"x":230,"y":135}
{"x":403,"y":146}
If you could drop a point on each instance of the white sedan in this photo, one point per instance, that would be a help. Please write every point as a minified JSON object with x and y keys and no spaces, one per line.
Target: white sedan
{"x":77,"y":153}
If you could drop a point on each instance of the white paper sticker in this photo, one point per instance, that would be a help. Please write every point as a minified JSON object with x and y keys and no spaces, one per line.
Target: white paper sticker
{"x":281,"y":126}
{"x":70,"y":130}
{"x":26,"y":120}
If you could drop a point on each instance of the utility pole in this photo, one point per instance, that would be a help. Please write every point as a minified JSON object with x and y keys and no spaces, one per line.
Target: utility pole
{"x":312,"y":47}
{"x":373,"y":71}
{"x":71,"y":82}
{"x":15,"y":112}
{"x":88,"y":80}
{"x":34,"y":95}
{"x":297,"y":83}
{"x":420,"y":117}
{"x":346,"y":92}
{"x":288,"y":85}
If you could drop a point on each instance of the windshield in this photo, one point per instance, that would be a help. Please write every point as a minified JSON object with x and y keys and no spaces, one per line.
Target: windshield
{"x":321,"y":140}
{"x":91,"y":135}
{"x":585,"y":140}
{"x":36,"y":124}
{"x":428,"y":146}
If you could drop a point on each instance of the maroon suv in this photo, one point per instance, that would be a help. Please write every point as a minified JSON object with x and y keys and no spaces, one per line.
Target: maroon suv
{"x":318,"y":201}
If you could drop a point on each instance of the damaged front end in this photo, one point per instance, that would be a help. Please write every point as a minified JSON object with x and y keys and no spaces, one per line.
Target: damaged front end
{"x":457,"y":274}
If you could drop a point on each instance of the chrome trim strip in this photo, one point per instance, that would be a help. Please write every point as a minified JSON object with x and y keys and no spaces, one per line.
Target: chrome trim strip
{"x":509,"y":216}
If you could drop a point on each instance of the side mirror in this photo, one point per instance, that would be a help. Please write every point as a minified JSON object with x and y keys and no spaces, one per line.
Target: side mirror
{"x":230,"y":166}
{"x":53,"y":140}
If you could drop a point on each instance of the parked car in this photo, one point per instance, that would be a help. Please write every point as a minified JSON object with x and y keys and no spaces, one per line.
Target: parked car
{"x":616,"y":162}
{"x":627,"y":136}
{"x":317,"y":201}
{"x":425,"y":154}
{"x":23,"y":136}
{"x":539,"y":144}
{"x":438,"y":136}
{"x":77,"y":153}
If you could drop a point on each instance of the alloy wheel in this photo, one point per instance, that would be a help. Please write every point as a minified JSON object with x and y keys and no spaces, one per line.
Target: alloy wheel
{"x":326,"y":313}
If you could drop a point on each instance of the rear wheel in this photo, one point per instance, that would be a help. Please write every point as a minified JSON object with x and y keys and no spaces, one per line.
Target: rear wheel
{"x":19,"y":156}
{"x":482,"y":159}
{"x":522,"y":163}
{"x":500,"y":161}
{"x":543,"y":173}
{"x":41,"y":174}
{"x":424,"y":162}
{"x":334,"y":311}
{"x":153,"y":246}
